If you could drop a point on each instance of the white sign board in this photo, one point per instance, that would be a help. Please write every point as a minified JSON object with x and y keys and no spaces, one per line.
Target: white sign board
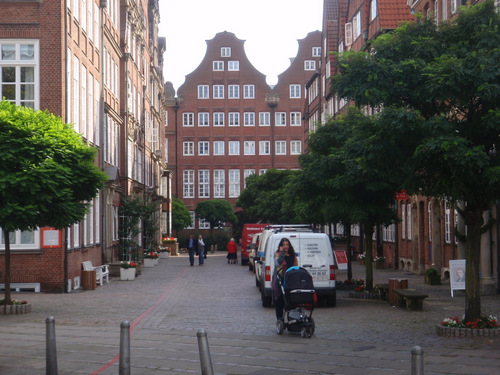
{"x":457,"y":275}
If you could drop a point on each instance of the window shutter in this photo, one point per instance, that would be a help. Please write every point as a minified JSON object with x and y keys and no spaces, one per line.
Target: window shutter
{"x":348,"y":34}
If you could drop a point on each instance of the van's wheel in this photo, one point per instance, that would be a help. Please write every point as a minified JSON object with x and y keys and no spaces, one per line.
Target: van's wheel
{"x":266,"y":301}
{"x":257,"y":284}
{"x":250,"y":266}
{"x":280,"y":326}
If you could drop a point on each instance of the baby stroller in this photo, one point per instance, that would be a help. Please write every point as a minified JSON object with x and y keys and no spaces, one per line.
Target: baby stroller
{"x":300,"y":299}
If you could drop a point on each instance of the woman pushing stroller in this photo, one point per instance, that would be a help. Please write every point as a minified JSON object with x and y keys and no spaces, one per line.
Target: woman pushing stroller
{"x":284,"y":258}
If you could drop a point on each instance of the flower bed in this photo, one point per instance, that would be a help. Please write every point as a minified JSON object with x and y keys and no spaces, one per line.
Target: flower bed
{"x":16,"y":307}
{"x":349,"y":284}
{"x":362,"y":293}
{"x":486,"y":326}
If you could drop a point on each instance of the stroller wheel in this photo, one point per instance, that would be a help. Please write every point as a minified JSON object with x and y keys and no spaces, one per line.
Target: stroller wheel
{"x":280,"y":326}
{"x":303,"y":332}
{"x":312,"y":325}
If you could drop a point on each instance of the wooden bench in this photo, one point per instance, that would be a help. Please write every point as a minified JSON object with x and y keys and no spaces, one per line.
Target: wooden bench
{"x":102,"y":272}
{"x":18,"y":287}
{"x":410,"y":298}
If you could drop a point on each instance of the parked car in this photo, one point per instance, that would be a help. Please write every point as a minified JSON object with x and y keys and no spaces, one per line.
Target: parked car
{"x":249,"y":230}
{"x":314,"y":253}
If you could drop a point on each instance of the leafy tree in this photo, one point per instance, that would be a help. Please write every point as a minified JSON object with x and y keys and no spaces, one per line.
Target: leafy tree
{"x":181,"y":218}
{"x":264,"y":197}
{"x":448,"y":78}
{"x":47,"y":173}
{"x":216,"y":212}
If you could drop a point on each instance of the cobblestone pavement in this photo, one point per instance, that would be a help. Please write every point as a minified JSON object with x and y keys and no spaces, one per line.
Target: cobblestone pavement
{"x":168,"y":304}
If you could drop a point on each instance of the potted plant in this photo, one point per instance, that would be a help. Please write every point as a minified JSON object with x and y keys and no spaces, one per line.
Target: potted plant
{"x":127,"y":270}
{"x":164,"y":251}
{"x":151,"y":259}
{"x":432,"y":276}
{"x":171,"y":243}
{"x":379,"y":262}
{"x":361,"y":258}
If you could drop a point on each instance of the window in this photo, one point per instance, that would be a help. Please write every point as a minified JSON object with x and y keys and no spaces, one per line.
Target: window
{"x":234,"y":119}
{"x":225,"y":51}
{"x":447,"y":222}
{"x":444,"y":10}
{"x":188,"y":148}
{"x":295,"y":118}
{"x":193,"y":219}
{"x":295,"y":147}
{"x":218,"y":91}
{"x":203,"y":224}
{"x":218,"y":147}
{"x":249,"y":91}
{"x":19,"y":72}
{"x":233,"y":66}
{"x":234,"y":147}
{"x":280,"y":119}
{"x":429,"y":215}
{"x":234,"y":183}
{"x":203,"y":148}
{"x":309,"y":65}
{"x":264,"y":119}
{"x":408,"y":221}
{"x":218,"y":65}
{"x":316,"y":51}
{"x":21,"y":239}
{"x":218,"y":118}
{"x":203,"y":119}
{"x":188,"y":183}
{"x":348,"y":34}
{"x":246,"y":173}
{"x":249,"y":119}
{"x":262,"y":171}
{"x":373,"y":13}
{"x":356,"y":26}
{"x":453,"y":6}
{"x":188,"y":119}
{"x":264,"y":147}
{"x":219,"y":183}
{"x":294,"y":91}
{"x":203,"y":92}
{"x":233,"y":91}
{"x":249,"y":148}
{"x":403,"y":221}
{"x":204,"y":183}
{"x":280,"y":147}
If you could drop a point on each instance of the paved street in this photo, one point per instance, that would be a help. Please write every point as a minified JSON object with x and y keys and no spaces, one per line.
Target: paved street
{"x":168,"y":304}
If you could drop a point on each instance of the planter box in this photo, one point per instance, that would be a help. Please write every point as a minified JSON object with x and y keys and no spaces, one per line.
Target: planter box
{"x":149,"y":263}
{"x":127,"y":273}
{"x":379,"y":265}
{"x":164,"y":255}
{"x":364,"y":295}
{"x":361,"y":261}
{"x":15,"y":309}
{"x":433,"y":280}
{"x":466,"y":332}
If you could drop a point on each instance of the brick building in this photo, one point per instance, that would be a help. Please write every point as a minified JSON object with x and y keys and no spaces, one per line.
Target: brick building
{"x":227,"y":122}
{"x":98,"y":65}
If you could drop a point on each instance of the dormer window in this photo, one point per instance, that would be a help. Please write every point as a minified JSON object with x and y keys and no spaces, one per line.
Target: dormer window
{"x":225,"y":52}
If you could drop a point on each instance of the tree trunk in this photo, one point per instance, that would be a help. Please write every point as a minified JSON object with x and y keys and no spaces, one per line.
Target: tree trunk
{"x":474,"y":222}
{"x":347,"y":233}
{"x":368,"y":229}
{"x":6,"y":235}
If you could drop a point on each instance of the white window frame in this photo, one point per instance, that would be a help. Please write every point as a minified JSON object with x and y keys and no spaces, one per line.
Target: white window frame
{"x":219,"y":119}
{"x":203,"y":224}
{"x":234,"y":119}
{"x":356,"y":26}
{"x":188,"y":119}
{"x":193,"y":220}
{"x":249,"y":119}
{"x":295,"y":91}
{"x":203,"y":119}
{"x":453,"y":6}
{"x":403,"y":221}
{"x":280,"y":148}
{"x":249,"y":148}
{"x":264,"y":118}
{"x":373,"y":10}
{"x":295,"y":147}
{"x":234,"y":183}
{"x":280,"y":119}
{"x":246,"y":173}
{"x":218,"y":91}
{"x":316,"y":52}
{"x":248,"y":91}
{"x":348,"y":34}
{"x":218,"y":66}
{"x":233,"y":66}
{"x":188,"y":148}
{"x":309,"y":64}
{"x":295,"y":118}
{"x":225,"y":51}
{"x":203,"y":183}
{"x":233,"y":91}
{"x":409,"y":222}
{"x":234,"y":147}
{"x":264,"y":147}
{"x":219,"y":183}
{"x":203,"y":92}
{"x":188,"y":183}
{"x":219,"y":148}
{"x":203,"y":148}
{"x":17,"y":244}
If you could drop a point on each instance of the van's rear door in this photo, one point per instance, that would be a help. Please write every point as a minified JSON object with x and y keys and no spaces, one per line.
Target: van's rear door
{"x":314,"y":257}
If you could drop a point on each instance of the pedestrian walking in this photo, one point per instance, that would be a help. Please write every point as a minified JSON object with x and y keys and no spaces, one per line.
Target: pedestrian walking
{"x":232,"y":249}
{"x":192,"y":245}
{"x":284,"y":258}
{"x":201,"y":250}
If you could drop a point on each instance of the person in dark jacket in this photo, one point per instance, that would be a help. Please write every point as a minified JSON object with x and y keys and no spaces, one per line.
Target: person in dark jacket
{"x":192,"y":246}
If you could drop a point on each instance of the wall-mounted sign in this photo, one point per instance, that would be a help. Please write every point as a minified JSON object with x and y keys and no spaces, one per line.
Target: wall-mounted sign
{"x":51,"y":237}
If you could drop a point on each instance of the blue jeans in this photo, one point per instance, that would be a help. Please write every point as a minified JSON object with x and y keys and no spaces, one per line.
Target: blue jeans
{"x":201,"y":250}
{"x":191,"y":255}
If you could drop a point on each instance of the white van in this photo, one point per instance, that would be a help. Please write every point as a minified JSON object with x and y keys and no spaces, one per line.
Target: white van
{"x":314,"y":253}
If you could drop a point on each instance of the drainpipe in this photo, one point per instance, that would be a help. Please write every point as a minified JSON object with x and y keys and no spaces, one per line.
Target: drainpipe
{"x":65,"y":265}
{"x":103,"y":4}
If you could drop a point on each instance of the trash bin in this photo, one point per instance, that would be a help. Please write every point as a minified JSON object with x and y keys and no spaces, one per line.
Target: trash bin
{"x":89,"y":280}
{"x":396,"y":284}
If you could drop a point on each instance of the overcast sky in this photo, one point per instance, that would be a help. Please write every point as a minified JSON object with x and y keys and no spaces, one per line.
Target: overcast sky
{"x":270,"y":29}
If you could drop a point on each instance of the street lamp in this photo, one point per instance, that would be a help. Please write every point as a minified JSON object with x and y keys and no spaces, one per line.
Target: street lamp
{"x":272,"y":101}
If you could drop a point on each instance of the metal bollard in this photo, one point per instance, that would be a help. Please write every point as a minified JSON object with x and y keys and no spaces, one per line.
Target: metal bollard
{"x":50,"y":346}
{"x":417,"y":361}
{"x":205,"y":360}
{"x":124,"y":368}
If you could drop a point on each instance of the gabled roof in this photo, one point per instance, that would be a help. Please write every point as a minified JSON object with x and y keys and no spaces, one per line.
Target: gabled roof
{"x":393,"y":12}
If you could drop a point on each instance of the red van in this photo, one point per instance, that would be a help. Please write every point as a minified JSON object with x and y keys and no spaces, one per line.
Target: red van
{"x":246,"y":239}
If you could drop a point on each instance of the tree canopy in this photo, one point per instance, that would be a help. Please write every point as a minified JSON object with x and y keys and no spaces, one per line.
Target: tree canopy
{"x":446,"y":78}
{"x":216,"y":212}
{"x":181,"y":218}
{"x":47,"y":173}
